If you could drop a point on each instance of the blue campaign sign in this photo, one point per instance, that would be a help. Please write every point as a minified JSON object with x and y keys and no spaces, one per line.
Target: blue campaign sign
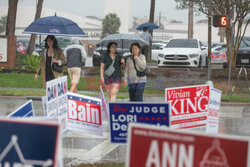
{"x":123,"y":113}
{"x":26,"y":110}
{"x":29,"y":143}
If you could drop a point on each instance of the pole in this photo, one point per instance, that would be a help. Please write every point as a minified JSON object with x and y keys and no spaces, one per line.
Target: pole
{"x":209,"y":39}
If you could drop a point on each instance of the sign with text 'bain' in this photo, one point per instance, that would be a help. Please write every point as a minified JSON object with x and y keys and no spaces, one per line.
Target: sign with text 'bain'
{"x":153,"y":146}
{"x":121,"y":114}
{"x":189,"y":106}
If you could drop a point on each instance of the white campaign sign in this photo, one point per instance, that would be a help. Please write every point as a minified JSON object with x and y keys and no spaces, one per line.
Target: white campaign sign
{"x":3,"y":49}
{"x":213,"y":111}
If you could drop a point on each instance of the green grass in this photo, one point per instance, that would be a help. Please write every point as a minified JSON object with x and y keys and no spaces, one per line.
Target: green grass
{"x":235,"y":98}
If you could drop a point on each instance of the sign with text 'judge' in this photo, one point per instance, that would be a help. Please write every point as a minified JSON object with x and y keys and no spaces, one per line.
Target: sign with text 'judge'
{"x":84,"y":114}
{"x":153,"y":146}
{"x":29,"y":143}
{"x":121,"y":114}
{"x":189,"y":106}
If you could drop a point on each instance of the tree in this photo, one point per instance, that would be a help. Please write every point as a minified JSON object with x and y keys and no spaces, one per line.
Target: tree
{"x":235,"y":10}
{"x":3,"y":23}
{"x":11,"y":17}
{"x":33,"y":36}
{"x":110,"y":25}
{"x":151,"y":20}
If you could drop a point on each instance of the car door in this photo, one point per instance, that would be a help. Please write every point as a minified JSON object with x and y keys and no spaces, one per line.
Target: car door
{"x":204,"y":54}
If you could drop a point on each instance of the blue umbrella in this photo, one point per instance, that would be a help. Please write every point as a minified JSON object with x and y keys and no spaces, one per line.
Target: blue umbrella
{"x":150,"y":26}
{"x":54,"y":25}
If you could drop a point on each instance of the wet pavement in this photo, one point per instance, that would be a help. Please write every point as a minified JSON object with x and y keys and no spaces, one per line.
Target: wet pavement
{"x":83,"y":148}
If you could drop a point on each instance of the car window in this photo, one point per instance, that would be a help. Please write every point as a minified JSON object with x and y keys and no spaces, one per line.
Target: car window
{"x":157,"y":47}
{"x":182,"y":43}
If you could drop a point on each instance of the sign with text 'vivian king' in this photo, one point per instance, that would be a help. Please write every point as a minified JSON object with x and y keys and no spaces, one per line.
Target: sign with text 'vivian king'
{"x":121,"y":114}
{"x":26,"y":110}
{"x":189,"y":106}
{"x":84,"y":114}
{"x":153,"y":146}
{"x":29,"y":143}
{"x":56,"y":99}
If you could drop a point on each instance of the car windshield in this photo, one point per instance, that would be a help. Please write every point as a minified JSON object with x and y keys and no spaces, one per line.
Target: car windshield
{"x":182,"y":43}
{"x":245,"y":42}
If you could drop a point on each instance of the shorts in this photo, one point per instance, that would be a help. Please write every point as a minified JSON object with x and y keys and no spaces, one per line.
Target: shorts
{"x":74,"y":74}
{"x":114,"y":80}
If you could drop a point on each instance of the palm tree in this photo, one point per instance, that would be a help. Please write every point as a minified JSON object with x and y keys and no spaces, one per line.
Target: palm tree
{"x":11,"y":18}
{"x":3,"y":23}
{"x":110,"y":24}
{"x":33,"y":36}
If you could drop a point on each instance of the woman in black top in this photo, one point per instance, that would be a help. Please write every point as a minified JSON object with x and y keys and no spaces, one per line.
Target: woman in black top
{"x":113,"y":82}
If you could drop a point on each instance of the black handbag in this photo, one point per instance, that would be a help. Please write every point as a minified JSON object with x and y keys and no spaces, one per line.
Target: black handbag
{"x":139,"y":73}
{"x":57,"y":68}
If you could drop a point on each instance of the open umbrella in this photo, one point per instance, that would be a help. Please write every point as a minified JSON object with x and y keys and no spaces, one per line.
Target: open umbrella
{"x":123,"y":41}
{"x":54,"y":25}
{"x":150,"y":26}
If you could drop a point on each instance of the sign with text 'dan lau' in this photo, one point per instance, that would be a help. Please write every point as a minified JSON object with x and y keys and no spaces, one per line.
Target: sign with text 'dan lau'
{"x":121,"y":114}
{"x":154,"y":146}
{"x":189,"y":106}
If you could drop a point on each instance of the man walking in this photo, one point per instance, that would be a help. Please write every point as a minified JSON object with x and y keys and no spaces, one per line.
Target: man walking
{"x":76,"y":56}
{"x":148,"y":38}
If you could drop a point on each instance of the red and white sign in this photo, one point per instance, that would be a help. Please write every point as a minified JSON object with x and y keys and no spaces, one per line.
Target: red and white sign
{"x":84,"y":114}
{"x":213,"y":111}
{"x":218,"y":57}
{"x":153,"y":146}
{"x":189,"y":105}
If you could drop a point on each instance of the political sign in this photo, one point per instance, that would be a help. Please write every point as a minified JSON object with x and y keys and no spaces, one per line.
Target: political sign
{"x":56,"y":101}
{"x":189,"y":105}
{"x":218,"y":57}
{"x":3,"y":49}
{"x":212,"y":126}
{"x":26,"y":110}
{"x":29,"y":143}
{"x":163,"y":147}
{"x":84,"y":114}
{"x":104,"y":105}
{"x":121,"y":114}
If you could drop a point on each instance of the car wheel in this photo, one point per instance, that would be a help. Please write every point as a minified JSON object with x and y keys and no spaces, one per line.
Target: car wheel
{"x":206,"y":63}
{"x":199,"y":65}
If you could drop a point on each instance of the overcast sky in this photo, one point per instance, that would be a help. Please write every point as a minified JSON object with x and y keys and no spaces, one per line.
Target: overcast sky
{"x":95,"y":8}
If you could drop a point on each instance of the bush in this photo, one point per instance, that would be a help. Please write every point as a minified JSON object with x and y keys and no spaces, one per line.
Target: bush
{"x":32,"y":61}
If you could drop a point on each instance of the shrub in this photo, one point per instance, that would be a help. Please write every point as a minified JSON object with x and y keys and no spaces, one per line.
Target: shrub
{"x":32,"y":61}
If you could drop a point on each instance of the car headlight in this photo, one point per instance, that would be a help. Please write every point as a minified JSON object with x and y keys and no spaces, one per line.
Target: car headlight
{"x":193,"y":55}
{"x":161,"y":55}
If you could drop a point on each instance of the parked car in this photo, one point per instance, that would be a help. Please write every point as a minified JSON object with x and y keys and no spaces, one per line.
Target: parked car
{"x":243,"y":56}
{"x":156,"y":49}
{"x":183,"y":53}
{"x":98,"y":52}
{"x":25,"y":43}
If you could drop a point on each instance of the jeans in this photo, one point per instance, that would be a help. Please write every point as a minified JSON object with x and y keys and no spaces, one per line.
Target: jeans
{"x":136,"y":91}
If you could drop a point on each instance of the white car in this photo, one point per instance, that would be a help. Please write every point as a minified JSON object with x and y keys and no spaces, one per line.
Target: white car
{"x":156,"y":49}
{"x":183,"y":53}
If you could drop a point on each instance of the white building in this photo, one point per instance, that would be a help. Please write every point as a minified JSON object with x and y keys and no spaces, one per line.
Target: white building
{"x":123,"y":9}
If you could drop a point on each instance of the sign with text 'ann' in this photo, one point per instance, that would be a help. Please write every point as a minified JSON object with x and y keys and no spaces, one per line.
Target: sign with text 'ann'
{"x":189,"y":106}
{"x":121,"y":114}
{"x":84,"y":114}
{"x":153,"y":146}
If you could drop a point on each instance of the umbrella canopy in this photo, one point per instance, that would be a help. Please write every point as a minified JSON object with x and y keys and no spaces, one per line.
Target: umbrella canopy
{"x":54,"y":25}
{"x":150,"y":26}
{"x":123,"y":41}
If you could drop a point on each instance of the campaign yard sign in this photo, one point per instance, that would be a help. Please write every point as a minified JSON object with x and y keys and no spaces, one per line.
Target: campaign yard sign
{"x":26,"y":110}
{"x":121,"y":114}
{"x":84,"y":114}
{"x":29,"y":143}
{"x":104,"y":104}
{"x":213,"y":111}
{"x":189,"y":106}
{"x":56,"y":101}
{"x":218,"y":57}
{"x":153,"y":146}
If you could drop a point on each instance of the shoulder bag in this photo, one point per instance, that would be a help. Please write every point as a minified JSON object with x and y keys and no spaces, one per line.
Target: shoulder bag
{"x":110,"y":70}
{"x":139,"y":73}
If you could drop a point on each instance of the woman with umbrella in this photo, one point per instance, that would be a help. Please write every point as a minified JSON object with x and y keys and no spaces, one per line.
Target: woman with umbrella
{"x":110,"y":71}
{"x":52,"y":55}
